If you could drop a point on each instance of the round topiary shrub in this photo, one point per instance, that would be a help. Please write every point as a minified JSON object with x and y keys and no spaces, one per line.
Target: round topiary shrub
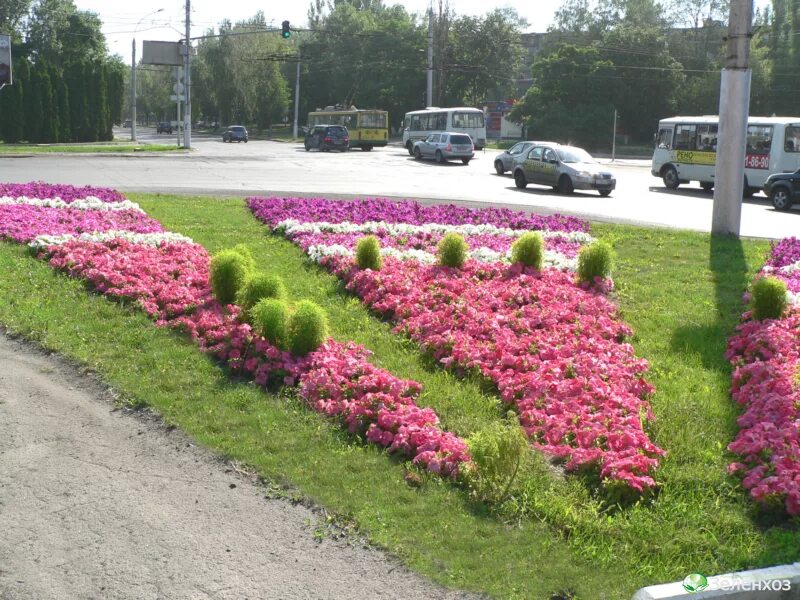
{"x":368,"y":253}
{"x":528,"y":249}
{"x":227,"y":272}
{"x":258,"y":286}
{"x":497,"y":453}
{"x":244,"y":251}
{"x":452,"y":250}
{"x":308,"y":328}
{"x":270,"y":319}
{"x":768,"y":298}
{"x":595,"y":260}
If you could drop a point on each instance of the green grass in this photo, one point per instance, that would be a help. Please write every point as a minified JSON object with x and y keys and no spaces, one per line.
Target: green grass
{"x":86,"y":148}
{"x":681,"y":293}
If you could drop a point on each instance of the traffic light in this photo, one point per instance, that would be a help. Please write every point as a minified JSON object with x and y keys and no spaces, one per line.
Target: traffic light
{"x":286,"y":32}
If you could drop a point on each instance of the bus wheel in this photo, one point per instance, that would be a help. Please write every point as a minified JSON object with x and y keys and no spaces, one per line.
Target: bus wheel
{"x":670,"y":177}
{"x":781,"y":198}
{"x":707,"y":186}
{"x":565,"y":185}
{"x":366,"y":148}
{"x":410,"y":147}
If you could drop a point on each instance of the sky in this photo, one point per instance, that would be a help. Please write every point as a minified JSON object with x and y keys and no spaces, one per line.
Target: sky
{"x":123,"y":18}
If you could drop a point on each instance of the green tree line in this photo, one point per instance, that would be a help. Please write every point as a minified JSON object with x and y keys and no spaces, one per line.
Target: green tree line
{"x":66,"y":88}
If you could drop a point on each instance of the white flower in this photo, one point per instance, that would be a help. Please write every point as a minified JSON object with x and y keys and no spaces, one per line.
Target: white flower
{"x":147,"y":239}
{"x":88,"y":203}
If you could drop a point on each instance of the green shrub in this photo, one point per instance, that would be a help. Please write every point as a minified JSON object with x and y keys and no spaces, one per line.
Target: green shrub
{"x":368,"y":253}
{"x":452,"y":250}
{"x":308,"y":328}
{"x":595,"y":260}
{"x":497,"y":452}
{"x":258,"y":286}
{"x":270,"y":319}
{"x":227,"y":271}
{"x":768,"y":298}
{"x":528,"y":249}
{"x":245,"y":253}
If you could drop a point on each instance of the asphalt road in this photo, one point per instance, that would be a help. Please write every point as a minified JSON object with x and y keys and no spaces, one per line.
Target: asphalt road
{"x":266,"y":167}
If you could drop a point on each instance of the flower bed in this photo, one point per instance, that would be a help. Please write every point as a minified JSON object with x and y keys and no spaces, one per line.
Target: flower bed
{"x":554,"y":351}
{"x":766,"y":381}
{"x":132,"y":258}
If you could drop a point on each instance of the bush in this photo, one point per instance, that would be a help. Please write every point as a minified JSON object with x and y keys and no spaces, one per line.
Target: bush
{"x":308,"y":328}
{"x":270,"y":319}
{"x":452,"y":250}
{"x":368,"y":253}
{"x":245,"y":253}
{"x":227,"y":271}
{"x":258,"y":286}
{"x":768,"y":298}
{"x":528,"y":249}
{"x":498,"y":452}
{"x":595,"y":260}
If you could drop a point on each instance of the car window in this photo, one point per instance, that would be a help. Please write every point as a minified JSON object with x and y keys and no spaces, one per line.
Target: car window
{"x":549,"y":154}
{"x":460,"y":139}
{"x":536,"y":153}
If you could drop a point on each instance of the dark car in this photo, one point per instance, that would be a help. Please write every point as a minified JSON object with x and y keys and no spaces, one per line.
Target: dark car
{"x":235,"y":133}
{"x":327,"y":137}
{"x":783,"y":189}
{"x":164,"y":127}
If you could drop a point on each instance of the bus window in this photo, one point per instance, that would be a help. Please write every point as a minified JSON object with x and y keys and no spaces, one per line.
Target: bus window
{"x":375,"y":120}
{"x":467,"y":119}
{"x":707,"y":138}
{"x":416,"y":123}
{"x":759,"y":139}
{"x":664,"y":139}
{"x":685,"y":136}
{"x":792,"y":139}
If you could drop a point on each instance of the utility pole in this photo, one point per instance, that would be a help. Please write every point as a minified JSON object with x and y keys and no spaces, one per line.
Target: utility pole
{"x":430,"y":57}
{"x":133,"y":89}
{"x":734,"y":106}
{"x":614,"y":137}
{"x":187,"y":81}
{"x":296,"y":96}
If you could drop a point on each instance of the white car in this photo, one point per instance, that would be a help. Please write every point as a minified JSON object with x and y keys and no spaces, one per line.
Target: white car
{"x":445,"y":146}
{"x":506,"y":160}
{"x":564,"y":168}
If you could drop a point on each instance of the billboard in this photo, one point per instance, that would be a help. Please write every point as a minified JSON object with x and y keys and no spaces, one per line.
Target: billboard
{"x":163,"y":53}
{"x":5,"y":60}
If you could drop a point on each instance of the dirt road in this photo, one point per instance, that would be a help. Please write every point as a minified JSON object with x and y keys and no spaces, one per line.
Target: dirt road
{"x":99,"y":503}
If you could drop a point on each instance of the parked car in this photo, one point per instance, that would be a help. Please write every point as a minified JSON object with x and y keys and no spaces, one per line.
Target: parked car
{"x":235,"y":133}
{"x":783,"y":189}
{"x":505,"y":161}
{"x":164,"y":127}
{"x":445,"y":146}
{"x":564,"y":168}
{"x":327,"y":137}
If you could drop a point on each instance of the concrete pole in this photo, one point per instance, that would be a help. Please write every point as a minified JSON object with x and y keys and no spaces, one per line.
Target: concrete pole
{"x":430,"y":58}
{"x":133,"y":90}
{"x":734,"y":106}
{"x":296,"y":97}
{"x":614,"y":138}
{"x":187,"y":81}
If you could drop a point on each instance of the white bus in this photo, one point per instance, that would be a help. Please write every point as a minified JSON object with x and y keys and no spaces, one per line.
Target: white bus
{"x":686,"y":150}
{"x":419,"y":124}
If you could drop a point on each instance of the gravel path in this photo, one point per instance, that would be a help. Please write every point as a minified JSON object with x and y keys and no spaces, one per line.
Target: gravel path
{"x":99,"y":503}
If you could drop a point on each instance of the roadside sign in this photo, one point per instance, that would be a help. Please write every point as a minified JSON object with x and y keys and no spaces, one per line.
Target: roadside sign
{"x":5,"y":60}
{"x":178,"y":88}
{"x":177,"y":98}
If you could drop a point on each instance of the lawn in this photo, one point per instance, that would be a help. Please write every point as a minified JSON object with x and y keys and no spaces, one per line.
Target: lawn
{"x":78,"y":148}
{"x":681,"y":293}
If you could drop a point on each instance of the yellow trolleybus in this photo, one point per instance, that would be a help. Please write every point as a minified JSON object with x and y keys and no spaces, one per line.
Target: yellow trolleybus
{"x":367,"y":127}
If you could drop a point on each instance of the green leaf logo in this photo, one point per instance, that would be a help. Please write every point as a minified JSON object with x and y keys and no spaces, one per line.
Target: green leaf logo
{"x":696,"y":582}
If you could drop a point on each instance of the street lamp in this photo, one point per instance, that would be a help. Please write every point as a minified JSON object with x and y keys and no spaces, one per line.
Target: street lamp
{"x":133,"y":73}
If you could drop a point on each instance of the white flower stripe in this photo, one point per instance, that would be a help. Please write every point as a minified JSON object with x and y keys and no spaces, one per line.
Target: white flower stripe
{"x":88,"y":203}
{"x":293,"y":226}
{"x":482,"y":254}
{"x":147,"y":239}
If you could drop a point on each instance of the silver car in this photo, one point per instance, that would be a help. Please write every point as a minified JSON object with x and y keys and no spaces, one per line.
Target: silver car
{"x":445,"y":146}
{"x":505,"y":161}
{"x":564,"y":168}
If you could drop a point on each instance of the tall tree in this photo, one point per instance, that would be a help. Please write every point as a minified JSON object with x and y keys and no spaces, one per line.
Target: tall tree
{"x":62,"y":34}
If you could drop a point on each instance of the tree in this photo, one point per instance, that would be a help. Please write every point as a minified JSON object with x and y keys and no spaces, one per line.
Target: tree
{"x":61,"y":34}
{"x":12,"y":12}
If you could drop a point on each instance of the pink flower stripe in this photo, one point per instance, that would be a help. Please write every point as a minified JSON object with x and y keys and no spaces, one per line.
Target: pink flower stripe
{"x":766,"y":381}
{"x":554,"y":351}
{"x":274,"y":210}
{"x":427,"y":241}
{"x":68,"y":193}
{"x":170,"y":282}
{"x":22,"y":222}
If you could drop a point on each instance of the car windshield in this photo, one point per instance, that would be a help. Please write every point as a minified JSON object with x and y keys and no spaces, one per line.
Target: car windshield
{"x":460,"y":139}
{"x":570,"y":154}
{"x":237,"y":129}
